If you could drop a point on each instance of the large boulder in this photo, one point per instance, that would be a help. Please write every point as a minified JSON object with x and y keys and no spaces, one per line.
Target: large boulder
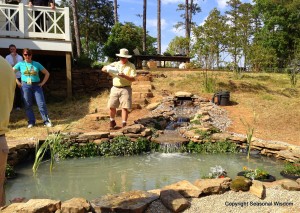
{"x":133,"y":201}
{"x":213,"y":186}
{"x":185,"y":188}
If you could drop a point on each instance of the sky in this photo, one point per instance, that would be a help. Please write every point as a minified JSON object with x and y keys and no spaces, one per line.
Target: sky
{"x":128,"y":10}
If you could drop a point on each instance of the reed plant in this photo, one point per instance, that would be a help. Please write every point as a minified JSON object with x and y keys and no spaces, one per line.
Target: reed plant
{"x":249,"y":132}
{"x":209,"y":81}
{"x":53,"y":143}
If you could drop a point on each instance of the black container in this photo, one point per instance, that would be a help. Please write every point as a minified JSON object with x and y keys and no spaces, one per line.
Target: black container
{"x":223,"y":98}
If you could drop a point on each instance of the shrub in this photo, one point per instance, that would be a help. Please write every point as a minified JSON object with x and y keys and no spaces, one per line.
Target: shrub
{"x":213,"y":148}
{"x":97,"y":65}
{"x":292,"y":168}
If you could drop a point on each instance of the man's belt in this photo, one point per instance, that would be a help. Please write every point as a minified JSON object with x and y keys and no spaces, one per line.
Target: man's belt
{"x":2,"y":135}
{"x":121,"y":86}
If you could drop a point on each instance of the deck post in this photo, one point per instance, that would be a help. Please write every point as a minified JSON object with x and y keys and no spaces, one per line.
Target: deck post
{"x":69,"y":74}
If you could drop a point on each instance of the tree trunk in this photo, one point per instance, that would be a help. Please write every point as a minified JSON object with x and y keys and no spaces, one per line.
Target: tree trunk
{"x":87,"y":21}
{"x":158,"y":29}
{"x":187,"y":25}
{"x":76,"y":29}
{"x":187,"y":18}
{"x":116,"y":11}
{"x":144,"y":25}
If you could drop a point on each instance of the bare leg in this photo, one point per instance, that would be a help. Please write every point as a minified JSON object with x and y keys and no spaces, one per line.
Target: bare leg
{"x":112,"y":113}
{"x":124,"y":114}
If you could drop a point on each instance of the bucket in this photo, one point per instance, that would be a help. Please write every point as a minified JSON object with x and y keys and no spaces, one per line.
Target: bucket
{"x":223,"y":98}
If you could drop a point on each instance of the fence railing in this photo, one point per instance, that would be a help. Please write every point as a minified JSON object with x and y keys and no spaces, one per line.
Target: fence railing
{"x":34,"y":22}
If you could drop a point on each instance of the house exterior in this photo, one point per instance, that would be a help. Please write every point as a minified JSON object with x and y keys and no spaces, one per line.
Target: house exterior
{"x":19,"y":25}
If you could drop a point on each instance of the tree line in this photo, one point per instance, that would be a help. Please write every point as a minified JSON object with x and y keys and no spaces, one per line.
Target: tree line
{"x":262,"y":35}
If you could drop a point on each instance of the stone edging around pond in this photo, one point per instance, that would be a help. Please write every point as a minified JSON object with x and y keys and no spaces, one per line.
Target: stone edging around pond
{"x":173,"y":197}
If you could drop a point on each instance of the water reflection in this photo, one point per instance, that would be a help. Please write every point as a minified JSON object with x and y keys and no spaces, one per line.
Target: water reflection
{"x":93,"y":177}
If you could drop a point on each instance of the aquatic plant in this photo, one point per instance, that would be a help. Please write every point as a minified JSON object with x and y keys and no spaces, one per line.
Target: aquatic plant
{"x":53,"y":143}
{"x":216,"y":172}
{"x":292,"y":168}
{"x":255,"y":174}
{"x":249,"y":132}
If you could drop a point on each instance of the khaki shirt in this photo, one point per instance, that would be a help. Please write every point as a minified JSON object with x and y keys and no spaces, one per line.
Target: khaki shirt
{"x":7,"y":93}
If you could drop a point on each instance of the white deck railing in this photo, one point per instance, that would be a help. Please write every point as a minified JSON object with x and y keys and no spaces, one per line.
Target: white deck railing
{"x":23,"y":21}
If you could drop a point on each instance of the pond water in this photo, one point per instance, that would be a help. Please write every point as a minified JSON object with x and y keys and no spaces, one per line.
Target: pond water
{"x":93,"y":177}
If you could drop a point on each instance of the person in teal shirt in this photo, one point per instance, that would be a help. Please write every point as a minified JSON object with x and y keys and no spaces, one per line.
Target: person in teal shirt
{"x":31,"y":85}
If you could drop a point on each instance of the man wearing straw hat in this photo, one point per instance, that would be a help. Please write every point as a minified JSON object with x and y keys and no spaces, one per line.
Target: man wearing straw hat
{"x":7,"y":92}
{"x":123,"y":73}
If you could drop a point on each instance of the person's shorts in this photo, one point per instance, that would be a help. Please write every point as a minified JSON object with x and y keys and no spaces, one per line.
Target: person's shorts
{"x":120,"y":97}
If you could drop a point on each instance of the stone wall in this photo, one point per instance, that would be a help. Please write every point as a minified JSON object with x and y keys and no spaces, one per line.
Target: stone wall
{"x":83,"y":81}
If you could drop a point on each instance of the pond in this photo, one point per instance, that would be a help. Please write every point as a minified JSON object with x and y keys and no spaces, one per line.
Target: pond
{"x":94,"y":177}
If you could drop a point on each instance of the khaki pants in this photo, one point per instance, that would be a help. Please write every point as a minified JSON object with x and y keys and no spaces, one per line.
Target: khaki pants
{"x":3,"y":160}
{"x":120,"y":97}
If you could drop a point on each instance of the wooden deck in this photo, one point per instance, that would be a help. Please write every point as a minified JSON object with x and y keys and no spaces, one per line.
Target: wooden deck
{"x":19,"y":26}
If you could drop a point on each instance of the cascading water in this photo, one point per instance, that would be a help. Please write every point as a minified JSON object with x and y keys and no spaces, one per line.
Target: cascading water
{"x":171,"y":141}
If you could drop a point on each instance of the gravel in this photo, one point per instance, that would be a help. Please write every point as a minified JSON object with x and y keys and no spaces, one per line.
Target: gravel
{"x":240,"y":202}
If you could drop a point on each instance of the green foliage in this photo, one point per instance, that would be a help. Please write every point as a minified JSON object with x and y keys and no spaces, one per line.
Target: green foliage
{"x":142,"y":145}
{"x":195,"y":121}
{"x":53,"y":143}
{"x":293,"y":69}
{"x":10,"y":172}
{"x":292,"y":168}
{"x":212,"y":148}
{"x":167,"y":54}
{"x":255,"y":174}
{"x":104,"y":148}
{"x":127,"y":36}
{"x":249,"y":133}
{"x":210,"y":40}
{"x":97,"y":65}
{"x":209,"y":81}
{"x":203,"y":134}
{"x":84,"y":61}
{"x":122,"y":146}
{"x":86,"y":150}
{"x":178,"y":45}
{"x":95,"y":20}
{"x":262,"y":58}
{"x":206,"y":134}
{"x":292,"y":72}
{"x":279,"y":28}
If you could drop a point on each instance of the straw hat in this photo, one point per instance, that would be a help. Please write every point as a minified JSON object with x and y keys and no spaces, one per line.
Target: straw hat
{"x":124,"y":53}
